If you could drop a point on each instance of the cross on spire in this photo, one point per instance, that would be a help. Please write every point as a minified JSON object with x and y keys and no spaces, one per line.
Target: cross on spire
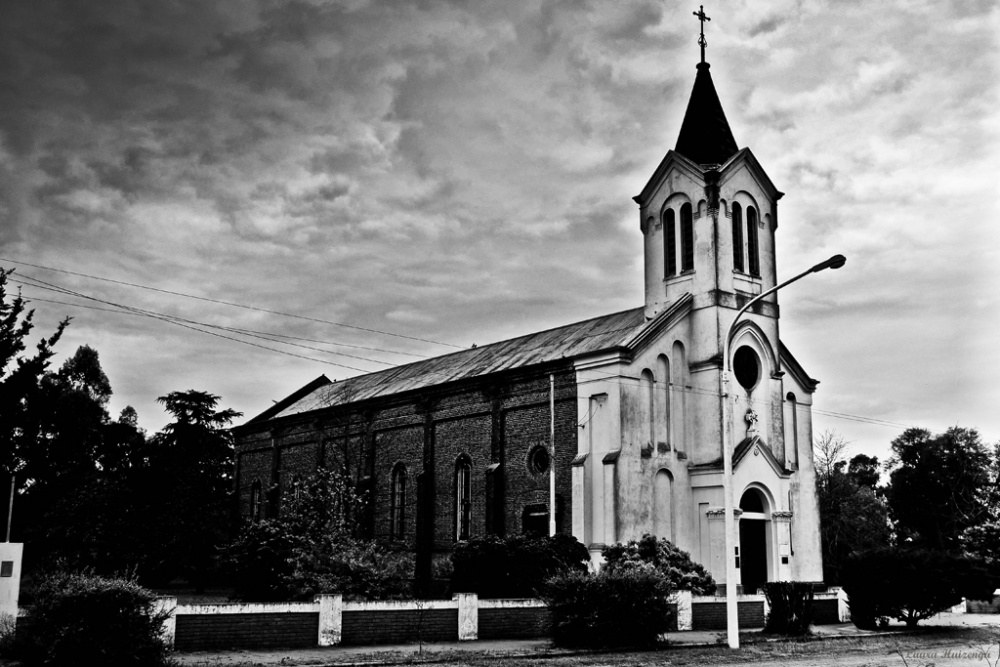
{"x":701,"y":39}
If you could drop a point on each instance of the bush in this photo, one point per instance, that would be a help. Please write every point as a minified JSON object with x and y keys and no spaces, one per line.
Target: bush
{"x":313,"y":548}
{"x":272,"y":562}
{"x":515,"y":566}
{"x":676,"y":565}
{"x":82,"y":619}
{"x":627,"y":607}
{"x":791,"y":607}
{"x":911,"y":584}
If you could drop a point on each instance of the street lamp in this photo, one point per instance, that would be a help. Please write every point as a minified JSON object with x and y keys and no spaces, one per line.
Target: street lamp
{"x":732,"y":620}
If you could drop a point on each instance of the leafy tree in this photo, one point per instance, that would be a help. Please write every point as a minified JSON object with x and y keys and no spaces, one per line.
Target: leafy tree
{"x":20,"y":379}
{"x":911,"y":584}
{"x":628,"y":606}
{"x":940,"y":486}
{"x":314,"y":547}
{"x":853,"y":515}
{"x":83,"y":505}
{"x":514,"y":566}
{"x":673,"y":563}
{"x":188,"y":482}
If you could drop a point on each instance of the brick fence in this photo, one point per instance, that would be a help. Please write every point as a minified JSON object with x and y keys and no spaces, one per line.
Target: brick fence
{"x":329,"y":621}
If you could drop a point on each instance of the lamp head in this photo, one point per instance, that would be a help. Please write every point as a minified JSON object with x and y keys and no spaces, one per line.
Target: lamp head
{"x":834,"y":262}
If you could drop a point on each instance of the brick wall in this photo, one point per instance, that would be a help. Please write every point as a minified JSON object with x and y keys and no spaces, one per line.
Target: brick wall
{"x":391,"y":430}
{"x":202,"y":632}
{"x":514,"y":623}
{"x":712,"y":615}
{"x":393,"y":627}
{"x":825,"y":612}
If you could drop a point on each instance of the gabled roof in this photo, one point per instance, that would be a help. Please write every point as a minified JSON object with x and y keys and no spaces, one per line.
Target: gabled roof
{"x":626,"y":330}
{"x":795,"y":368}
{"x":705,"y":136}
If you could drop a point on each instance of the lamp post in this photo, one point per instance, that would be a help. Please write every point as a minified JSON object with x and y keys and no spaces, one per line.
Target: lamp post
{"x":732,"y":620}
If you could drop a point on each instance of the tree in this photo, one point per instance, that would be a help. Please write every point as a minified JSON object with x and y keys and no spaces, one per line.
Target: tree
{"x":911,"y":584}
{"x":314,"y":547}
{"x":20,"y":379}
{"x":83,"y":504}
{"x":673,"y":563}
{"x":940,"y":486}
{"x":188,"y":481}
{"x":829,"y":449}
{"x":853,"y":515}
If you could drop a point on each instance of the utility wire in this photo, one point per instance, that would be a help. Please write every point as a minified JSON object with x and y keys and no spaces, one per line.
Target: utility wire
{"x":618,"y":378}
{"x":229,"y":303}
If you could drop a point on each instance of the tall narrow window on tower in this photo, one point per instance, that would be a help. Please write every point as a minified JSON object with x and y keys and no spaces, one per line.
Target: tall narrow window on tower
{"x":737,"y":237}
{"x":687,"y":239}
{"x":669,"y":243}
{"x":753,"y":258}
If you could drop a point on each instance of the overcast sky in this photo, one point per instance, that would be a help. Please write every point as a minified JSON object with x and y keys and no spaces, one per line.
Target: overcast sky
{"x":462,"y":172}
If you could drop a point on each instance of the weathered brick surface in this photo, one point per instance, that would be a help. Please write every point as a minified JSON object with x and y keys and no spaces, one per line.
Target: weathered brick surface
{"x":370,"y":438}
{"x":405,"y":446}
{"x":391,"y":627}
{"x":524,"y":623}
{"x":825,"y":612}
{"x":202,"y":632}
{"x":712,"y":615}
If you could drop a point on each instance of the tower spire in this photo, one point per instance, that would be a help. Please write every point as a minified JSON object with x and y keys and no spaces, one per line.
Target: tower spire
{"x":702,"y":42}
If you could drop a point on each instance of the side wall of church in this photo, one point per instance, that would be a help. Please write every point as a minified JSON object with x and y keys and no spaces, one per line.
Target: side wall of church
{"x":494,"y":425}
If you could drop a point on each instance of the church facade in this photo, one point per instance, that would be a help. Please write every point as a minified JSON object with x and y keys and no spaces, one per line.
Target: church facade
{"x":459,"y":445}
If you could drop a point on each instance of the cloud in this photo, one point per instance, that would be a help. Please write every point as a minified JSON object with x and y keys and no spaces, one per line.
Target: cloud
{"x":463,"y":172}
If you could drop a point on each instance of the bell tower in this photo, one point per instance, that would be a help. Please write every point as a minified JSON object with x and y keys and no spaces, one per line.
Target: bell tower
{"x":708,"y":216}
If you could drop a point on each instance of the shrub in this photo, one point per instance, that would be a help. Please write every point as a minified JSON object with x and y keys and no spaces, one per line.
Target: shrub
{"x":82,"y":619}
{"x":627,"y":607}
{"x":271,"y":561}
{"x":676,"y":565}
{"x":911,"y":584}
{"x":313,"y":548}
{"x":791,"y":607}
{"x":515,"y":566}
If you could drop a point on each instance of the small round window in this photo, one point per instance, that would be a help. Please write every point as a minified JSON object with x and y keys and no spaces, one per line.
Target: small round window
{"x":746,"y":367}
{"x":538,"y":460}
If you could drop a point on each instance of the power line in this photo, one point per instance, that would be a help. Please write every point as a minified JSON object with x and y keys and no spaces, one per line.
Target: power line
{"x":180,"y":322}
{"x":230,"y":303}
{"x":249,"y":332}
{"x":618,"y":378}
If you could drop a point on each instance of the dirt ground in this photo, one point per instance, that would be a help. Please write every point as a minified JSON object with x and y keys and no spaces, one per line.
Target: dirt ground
{"x":950,"y":644}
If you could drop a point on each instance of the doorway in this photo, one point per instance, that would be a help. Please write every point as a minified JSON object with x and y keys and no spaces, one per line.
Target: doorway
{"x":753,"y":540}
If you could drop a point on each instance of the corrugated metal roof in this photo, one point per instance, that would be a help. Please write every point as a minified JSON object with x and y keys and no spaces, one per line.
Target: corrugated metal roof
{"x":573,"y":340}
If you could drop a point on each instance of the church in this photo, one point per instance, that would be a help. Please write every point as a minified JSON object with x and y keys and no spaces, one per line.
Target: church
{"x":625,"y":411}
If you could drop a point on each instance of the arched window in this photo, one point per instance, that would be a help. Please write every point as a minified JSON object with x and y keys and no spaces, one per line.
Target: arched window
{"x":792,"y":448}
{"x":687,"y":238}
{"x":753,"y":258}
{"x":737,"y":237}
{"x":256,"y":501}
{"x":463,"y":498}
{"x":648,"y":406}
{"x":397,"y":503}
{"x":669,"y":243}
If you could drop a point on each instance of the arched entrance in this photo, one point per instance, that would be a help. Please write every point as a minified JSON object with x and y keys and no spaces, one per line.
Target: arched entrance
{"x":753,"y":540}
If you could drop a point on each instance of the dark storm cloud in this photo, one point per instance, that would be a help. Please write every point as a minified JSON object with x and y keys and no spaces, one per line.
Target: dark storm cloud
{"x":462,"y":172}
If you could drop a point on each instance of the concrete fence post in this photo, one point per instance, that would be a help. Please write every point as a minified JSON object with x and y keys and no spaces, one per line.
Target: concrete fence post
{"x":331,"y":615}
{"x":167,"y":605}
{"x":468,"y":616}
{"x":843,"y":610}
{"x":684,"y":615}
